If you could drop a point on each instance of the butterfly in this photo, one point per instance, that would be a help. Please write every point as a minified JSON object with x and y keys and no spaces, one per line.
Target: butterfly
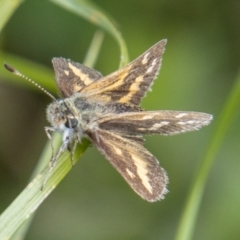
{"x":106,"y":110}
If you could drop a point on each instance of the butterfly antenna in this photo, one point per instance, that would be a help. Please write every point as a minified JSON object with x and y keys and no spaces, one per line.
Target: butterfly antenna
{"x":16,"y":72}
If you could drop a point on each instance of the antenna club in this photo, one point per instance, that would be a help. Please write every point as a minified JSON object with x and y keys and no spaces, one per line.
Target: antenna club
{"x":9,"y":68}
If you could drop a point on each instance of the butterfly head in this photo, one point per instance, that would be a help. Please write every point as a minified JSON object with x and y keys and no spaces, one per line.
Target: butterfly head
{"x":61,"y":115}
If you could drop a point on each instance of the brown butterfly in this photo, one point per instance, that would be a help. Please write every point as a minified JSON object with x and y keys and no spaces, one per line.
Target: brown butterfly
{"x":106,"y":111}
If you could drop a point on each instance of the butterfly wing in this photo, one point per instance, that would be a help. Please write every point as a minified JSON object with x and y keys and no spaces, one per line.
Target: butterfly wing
{"x":138,"y":166}
{"x":154,"y":122}
{"x":129,"y":84}
{"x":72,"y":77}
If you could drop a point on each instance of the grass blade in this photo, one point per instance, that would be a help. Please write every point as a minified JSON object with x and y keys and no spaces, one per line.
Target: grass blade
{"x":7,"y":8}
{"x":93,"y":52}
{"x":31,"y":197}
{"x":95,"y":16}
{"x":189,"y":216}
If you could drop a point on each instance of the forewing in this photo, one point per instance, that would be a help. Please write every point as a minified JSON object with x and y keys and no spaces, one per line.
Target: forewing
{"x":72,"y":77}
{"x":129,"y":84}
{"x":154,"y":122}
{"x":138,"y":167}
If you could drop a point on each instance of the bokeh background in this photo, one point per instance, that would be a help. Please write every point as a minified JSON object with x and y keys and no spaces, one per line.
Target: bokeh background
{"x":200,"y":67}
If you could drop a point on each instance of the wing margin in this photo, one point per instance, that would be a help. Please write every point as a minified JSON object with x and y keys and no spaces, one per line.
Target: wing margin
{"x":138,"y":166}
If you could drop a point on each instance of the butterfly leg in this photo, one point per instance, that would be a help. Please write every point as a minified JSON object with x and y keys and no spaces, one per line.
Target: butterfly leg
{"x":48,"y":131}
{"x":72,"y":148}
{"x":54,"y":159}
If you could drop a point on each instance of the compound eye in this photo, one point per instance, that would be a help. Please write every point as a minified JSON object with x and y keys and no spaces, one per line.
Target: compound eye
{"x":71,"y":123}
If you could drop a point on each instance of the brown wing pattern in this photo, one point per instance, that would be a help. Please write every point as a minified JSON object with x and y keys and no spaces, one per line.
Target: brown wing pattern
{"x":138,"y":166}
{"x":129,"y":84}
{"x":72,"y":77}
{"x":154,"y":122}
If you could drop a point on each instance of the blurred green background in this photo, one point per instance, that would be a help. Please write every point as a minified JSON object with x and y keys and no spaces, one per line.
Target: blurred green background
{"x":199,"y":69}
